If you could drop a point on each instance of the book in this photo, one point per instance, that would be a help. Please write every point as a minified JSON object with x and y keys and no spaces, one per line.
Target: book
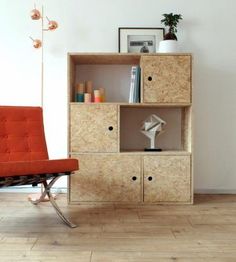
{"x":134,"y":94}
{"x":132,"y":82}
{"x":137,"y":86}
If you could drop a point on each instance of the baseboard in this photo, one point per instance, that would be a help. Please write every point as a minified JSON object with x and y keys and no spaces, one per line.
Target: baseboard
{"x":30,"y":189}
{"x":215,"y":191}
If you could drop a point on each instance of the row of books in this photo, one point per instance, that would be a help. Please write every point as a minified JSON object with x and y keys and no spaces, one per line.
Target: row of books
{"x":134,"y":92}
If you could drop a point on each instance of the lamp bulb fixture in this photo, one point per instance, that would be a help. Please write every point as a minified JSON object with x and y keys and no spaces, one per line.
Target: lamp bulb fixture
{"x":35,"y":14}
{"x":37,"y":43}
{"x":52,"y":25}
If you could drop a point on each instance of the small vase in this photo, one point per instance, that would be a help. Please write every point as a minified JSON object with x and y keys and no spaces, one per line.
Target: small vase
{"x":168,"y":46}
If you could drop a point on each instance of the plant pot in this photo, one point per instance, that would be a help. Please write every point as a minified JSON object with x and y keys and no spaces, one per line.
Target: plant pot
{"x":168,"y":46}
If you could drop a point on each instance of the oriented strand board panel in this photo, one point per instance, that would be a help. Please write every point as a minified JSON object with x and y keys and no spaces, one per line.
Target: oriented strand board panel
{"x":71,"y":79}
{"x":167,"y":179}
{"x":94,"y":128}
{"x":187,"y":128}
{"x":166,"y":79}
{"x":106,"y":177}
{"x":105,"y":58}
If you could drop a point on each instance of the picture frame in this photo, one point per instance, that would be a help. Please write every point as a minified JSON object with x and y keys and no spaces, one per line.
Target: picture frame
{"x":139,"y":39}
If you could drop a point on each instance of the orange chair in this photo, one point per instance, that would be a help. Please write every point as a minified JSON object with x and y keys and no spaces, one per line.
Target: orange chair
{"x":23,"y":153}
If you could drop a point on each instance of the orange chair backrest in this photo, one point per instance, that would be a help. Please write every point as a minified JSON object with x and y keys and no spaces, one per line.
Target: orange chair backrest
{"x":22,"y":134}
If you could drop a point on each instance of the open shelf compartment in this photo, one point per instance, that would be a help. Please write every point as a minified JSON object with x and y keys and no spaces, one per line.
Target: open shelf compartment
{"x":109,"y":71}
{"x":176,"y":137}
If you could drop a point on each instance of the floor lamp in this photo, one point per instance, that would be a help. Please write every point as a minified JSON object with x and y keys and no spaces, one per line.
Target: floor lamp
{"x":52,"y":25}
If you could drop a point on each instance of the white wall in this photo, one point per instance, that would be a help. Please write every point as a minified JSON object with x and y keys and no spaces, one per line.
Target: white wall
{"x":91,"y":25}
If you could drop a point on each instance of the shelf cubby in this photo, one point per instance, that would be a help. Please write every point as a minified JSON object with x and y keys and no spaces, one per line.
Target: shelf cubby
{"x":172,"y":139}
{"x":111,"y":72}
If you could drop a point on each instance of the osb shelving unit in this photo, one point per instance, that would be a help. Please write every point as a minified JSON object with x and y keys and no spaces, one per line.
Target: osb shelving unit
{"x":105,"y":137}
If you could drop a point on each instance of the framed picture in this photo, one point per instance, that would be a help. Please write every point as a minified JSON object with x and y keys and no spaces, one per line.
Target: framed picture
{"x":140,"y":40}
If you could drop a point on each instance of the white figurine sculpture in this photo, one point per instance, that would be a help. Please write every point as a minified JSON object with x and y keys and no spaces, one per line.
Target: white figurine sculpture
{"x":152,"y":127}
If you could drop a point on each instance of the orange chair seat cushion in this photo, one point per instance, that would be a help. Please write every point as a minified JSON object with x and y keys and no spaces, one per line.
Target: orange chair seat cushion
{"x":36,"y":167}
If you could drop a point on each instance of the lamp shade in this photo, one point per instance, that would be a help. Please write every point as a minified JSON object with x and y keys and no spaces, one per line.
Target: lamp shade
{"x":35,"y":14}
{"x":52,"y":25}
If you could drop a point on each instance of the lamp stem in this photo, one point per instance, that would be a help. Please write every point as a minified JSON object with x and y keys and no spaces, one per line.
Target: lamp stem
{"x":42,"y":58}
{"x":42,"y":67}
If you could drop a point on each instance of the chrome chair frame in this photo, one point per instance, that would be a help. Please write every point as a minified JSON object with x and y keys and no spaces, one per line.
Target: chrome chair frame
{"x":34,"y":180}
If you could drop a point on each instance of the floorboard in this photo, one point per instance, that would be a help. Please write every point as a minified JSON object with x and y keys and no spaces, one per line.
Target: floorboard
{"x":205,"y":231}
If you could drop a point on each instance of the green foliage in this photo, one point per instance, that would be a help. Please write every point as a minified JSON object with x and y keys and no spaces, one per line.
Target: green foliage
{"x":171,"y":20}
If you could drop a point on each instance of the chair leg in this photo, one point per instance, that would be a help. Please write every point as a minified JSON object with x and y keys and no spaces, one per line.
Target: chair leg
{"x":36,"y":202}
{"x":47,"y":191}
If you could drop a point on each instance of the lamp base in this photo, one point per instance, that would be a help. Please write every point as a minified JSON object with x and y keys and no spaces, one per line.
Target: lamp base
{"x":153,"y":149}
{"x":35,"y":197}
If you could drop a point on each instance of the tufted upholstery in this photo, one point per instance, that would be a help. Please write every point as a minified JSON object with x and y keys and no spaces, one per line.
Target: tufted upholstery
{"x":35,"y":167}
{"x":22,"y":134}
{"x":23,"y":149}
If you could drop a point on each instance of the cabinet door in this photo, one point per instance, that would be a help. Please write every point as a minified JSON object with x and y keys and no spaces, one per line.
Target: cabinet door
{"x":106,"y":177}
{"x":94,"y":128}
{"x":166,"y":79}
{"x":167,"y":179}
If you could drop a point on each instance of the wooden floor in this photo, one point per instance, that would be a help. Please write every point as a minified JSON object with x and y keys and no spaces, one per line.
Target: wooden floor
{"x":205,"y":231}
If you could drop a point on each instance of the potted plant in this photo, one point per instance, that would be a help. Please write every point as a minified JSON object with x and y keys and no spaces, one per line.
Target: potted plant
{"x":169,"y":44}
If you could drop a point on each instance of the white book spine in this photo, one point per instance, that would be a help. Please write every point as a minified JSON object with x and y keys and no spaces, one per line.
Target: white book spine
{"x":132,"y":84}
